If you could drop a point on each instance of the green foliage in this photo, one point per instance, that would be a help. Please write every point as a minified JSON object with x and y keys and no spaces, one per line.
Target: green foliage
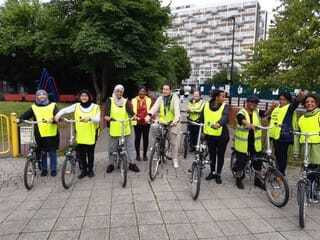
{"x":291,"y":55}
{"x":221,"y":77}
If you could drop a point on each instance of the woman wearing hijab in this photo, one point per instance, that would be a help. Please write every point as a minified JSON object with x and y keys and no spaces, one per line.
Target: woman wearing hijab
{"x":46,"y":133}
{"x":141,"y":106}
{"x":119,"y":108}
{"x":87,"y":116}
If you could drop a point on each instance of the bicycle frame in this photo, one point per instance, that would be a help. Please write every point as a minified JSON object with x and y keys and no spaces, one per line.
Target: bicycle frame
{"x":199,"y":147}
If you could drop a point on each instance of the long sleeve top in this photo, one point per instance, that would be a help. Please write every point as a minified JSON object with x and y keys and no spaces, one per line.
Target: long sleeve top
{"x":176,"y":107}
{"x":72,"y":109}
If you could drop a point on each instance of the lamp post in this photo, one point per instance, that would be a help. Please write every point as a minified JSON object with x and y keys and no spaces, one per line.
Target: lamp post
{"x":233,"y":18}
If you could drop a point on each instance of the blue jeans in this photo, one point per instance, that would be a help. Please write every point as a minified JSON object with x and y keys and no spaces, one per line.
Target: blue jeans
{"x":53,"y":160}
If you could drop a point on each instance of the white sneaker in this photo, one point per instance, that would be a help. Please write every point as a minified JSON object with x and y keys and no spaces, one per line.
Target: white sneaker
{"x":175,"y":163}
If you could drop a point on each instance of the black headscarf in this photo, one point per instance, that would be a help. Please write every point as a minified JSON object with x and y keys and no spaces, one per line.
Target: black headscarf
{"x":87,"y":104}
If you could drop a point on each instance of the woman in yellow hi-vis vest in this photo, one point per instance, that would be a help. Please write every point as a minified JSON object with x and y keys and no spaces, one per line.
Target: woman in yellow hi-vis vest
{"x":46,"y":134}
{"x":248,"y":139}
{"x":118,"y":107}
{"x":283,"y":120}
{"x":215,"y":118}
{"x":87,"y":115}
{"x":310,"y":122}
{"x":141,"y":105}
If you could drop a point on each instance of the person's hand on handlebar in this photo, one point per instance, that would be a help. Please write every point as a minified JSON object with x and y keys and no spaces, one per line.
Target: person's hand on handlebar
{"x":147,"y":118}
{"x":107,"y":118}
{"x":250,"y":126}
{"x":85,"y":119}
{"x":174,"y":123}
{"x":216,"y":125}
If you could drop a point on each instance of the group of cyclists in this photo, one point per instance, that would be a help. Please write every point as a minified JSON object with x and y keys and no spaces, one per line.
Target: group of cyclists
{"x":143,"y":111}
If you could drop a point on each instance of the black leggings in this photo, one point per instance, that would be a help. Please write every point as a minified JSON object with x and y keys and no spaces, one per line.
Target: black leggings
{"x":217,"y":148}
{"x":84,"y":152}
{"x":281,"y":153}
{"x":142,"y":131}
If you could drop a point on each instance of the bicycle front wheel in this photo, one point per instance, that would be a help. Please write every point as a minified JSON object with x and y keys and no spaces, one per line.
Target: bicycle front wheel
{"x":185,"y":146}
{"x":29,"y":174}
{"x":68,"y":172}
{"x":277,"y":188}
{"x":124,"y":169}
{"x":195,"y":180}
{"x":302,"y":201}
{"x":154,"y":162}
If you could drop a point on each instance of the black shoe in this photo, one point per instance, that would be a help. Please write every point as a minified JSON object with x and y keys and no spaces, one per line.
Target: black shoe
{"x":138,"y":158}
{"x":239,"y":183}
{"x":53,"y":173}
{"x":82,"y":175}
{"x":133,"y":167}
{"x":192,"y":149}
{"x":259,"y":184}
{"x":145,"y":158}
{"x":218,"y":179}
{"x":44,"y":173}
{"x":90,"y":174}
{"x":110,"y":168}
{"x":211,"y":176}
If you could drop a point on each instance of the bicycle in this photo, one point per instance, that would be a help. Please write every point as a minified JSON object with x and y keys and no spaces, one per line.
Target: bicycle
{"x":199,"y":162}
{"x":121,"y":153}
{"x":32,"y":167}
{"x":275,"y":183}
{"x":307,"y":192}
{"x":160,"y":150}
{"x":69,"y":165}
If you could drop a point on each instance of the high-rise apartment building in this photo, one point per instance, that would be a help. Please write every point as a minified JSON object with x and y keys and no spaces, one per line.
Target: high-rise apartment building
{"x":207,"y":34}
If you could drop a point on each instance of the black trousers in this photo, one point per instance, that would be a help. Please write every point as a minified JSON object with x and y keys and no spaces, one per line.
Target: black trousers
{"x":217,"y":148}
{"x":281,"y":153}
{"x":193,"y":136}
{"x":242,"y":160}
{"x":86,"y":157}
{"x":142,"y":131}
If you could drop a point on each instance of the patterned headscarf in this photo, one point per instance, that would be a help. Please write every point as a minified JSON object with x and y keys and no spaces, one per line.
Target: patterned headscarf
{"x":118,"y":101}
{"x":42,"y":102}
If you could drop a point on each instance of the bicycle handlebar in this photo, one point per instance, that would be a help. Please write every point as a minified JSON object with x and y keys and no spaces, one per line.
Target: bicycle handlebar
{"x":193,"y":123}
{"x":307,"y":134}
{"x":35,"y":122}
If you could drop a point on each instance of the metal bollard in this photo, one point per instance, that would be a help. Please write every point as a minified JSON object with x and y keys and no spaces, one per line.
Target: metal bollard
{"x":14,"y":134}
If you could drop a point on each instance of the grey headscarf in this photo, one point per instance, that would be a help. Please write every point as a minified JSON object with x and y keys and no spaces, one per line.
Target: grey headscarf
{"x":44,"y":102}
{"x":118,"y":101}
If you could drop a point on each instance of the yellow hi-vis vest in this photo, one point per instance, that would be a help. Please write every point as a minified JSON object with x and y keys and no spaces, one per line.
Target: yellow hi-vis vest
{"x":45,"y":113}
{"x":277,"y":118}
{"x":86,"y":131}
{"x":135,"y":106}
{"x":212,"y":117}
{"x":195,"y":108}
{"x":166,"y":115}
{"x":241,"y":135}
{"x":312,"y":125}
{"x":119,"y":113}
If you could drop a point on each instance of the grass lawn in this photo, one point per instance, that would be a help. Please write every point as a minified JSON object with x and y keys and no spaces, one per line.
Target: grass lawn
{"x":19,"y":107}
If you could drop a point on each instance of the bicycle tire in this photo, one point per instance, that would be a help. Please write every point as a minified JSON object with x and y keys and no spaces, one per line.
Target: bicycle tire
{"x":275,"y":180}
{"x":195,"y":180}
{"x":185,"y":145}
{"x":301,"y":198}
{"x":29,"y":165}
{"x":154,"y":162}
{"x":124,"y":169}
{"x":68,"y":162}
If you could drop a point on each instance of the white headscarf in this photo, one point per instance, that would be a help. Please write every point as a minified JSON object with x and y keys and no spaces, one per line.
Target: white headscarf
{"x":118,"y":101}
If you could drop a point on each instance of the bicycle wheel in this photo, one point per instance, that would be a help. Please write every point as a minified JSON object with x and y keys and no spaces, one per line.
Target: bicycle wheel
{"x":124,"y":169}
{"x":195,"y":180}
{"x":233,"y":160}
{"x":277,"y":187}
{"x":185,"y":145}
{"x":154,"y":161}
{"x":302,"y":198}
{"x":29,"y":174}
{"x":68,"y":172}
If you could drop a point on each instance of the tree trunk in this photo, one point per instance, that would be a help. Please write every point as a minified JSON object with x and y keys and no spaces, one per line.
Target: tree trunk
{"x":96,"y":87}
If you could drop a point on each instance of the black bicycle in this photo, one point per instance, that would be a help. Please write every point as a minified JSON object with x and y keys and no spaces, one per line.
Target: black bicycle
{"x":32,"y":166}
{"x":199,"y":162}
{"x":308,"y":186}
{"x":275,"y":183}
{"x":160,"y":150}
{"x":69,"y":165}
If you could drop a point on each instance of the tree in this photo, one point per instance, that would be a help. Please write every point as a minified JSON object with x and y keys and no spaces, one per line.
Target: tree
{"x":221,"y":77}
{"x":291,"y":55}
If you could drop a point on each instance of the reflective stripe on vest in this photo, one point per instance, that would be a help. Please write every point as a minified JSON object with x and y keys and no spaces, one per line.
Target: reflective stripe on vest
{"x":86,"y":131}
{"x":310,"y":124}
{"x":277,"y":118}
{"x":45,"y":113}
{"x":195,"y":110}
{"x":241,"y":134}
{"x":166,"y":115}
{"x":135,"y":106}
{"x":119,"y":113}
{"x":212,"y":117}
